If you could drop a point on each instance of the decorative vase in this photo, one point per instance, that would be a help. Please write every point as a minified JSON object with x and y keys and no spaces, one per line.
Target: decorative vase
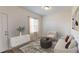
{"x":20,"y":33}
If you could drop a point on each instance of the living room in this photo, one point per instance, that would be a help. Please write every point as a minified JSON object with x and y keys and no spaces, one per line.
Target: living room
{"x":48,"y":22}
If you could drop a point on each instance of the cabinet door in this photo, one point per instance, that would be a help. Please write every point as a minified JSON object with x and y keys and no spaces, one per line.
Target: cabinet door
{"x":3,"y":32}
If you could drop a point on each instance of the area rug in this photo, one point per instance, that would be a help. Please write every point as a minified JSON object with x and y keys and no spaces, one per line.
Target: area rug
{"x":34,"y":47}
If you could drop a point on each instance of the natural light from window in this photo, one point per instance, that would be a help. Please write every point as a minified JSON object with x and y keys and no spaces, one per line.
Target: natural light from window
{"x":34,"y":25}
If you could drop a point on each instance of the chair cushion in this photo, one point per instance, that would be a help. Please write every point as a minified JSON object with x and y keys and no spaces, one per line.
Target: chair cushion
{"x":73,"y":44}
{"x":60,"y":44}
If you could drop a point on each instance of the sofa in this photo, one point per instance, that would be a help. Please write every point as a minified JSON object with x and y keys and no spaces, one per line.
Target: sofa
{"x":53,"y":35}
{"x":60,"y":47}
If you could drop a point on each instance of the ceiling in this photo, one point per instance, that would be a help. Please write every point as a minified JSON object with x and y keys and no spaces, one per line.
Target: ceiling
{"x":39,"y":10}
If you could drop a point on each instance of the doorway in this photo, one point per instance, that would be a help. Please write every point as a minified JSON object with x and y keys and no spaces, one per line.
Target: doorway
{"x":3,"y":32}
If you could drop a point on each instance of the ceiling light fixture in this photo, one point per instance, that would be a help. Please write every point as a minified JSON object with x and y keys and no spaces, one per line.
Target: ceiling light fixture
{"x":46,"y":7}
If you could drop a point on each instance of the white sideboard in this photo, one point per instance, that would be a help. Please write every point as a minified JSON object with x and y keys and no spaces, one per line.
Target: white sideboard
{"x":19,"y":40}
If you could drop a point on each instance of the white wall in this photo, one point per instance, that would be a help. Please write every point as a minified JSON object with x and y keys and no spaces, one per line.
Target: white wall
{"x":59,"y":21}
{"x":74,"y":10}
{"x":17,"y":16}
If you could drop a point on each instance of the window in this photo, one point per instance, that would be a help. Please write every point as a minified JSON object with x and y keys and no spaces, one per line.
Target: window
{"x":34,"y":23}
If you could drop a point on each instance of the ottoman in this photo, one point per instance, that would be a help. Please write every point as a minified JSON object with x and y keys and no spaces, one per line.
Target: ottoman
{"x":45,"y":42}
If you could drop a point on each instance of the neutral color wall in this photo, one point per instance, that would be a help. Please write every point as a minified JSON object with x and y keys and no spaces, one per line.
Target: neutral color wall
{"x":74,"y":10}
{"x":60,"y":22}
{"x":18,"y":16}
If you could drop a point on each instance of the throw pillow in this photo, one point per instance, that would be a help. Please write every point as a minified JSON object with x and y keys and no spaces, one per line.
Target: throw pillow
{"x":67,"y":45}
{"x":70,"y":38}
{"x":66,"y":39}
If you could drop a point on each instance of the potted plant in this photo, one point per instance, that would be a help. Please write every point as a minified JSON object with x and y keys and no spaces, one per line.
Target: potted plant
{"x":20,"y":29}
